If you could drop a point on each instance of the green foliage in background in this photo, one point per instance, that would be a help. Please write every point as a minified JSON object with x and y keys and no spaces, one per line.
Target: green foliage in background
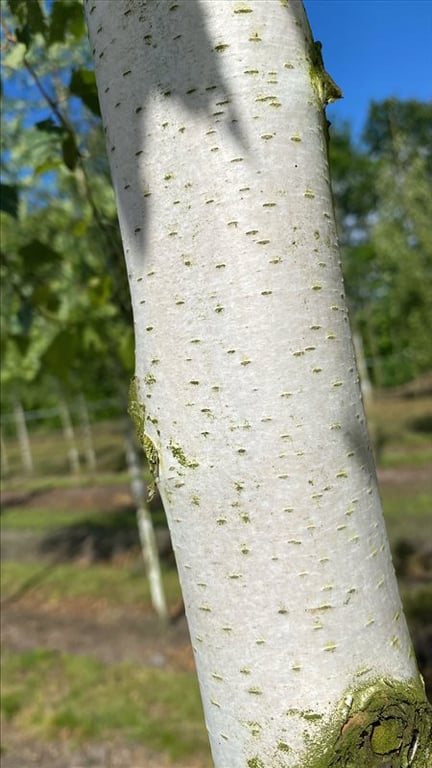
{"x":383,"y":194}
{"x":66,"y":312}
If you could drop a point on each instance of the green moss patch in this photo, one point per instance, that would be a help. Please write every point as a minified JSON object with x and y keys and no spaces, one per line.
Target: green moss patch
{"x":388,"y":725}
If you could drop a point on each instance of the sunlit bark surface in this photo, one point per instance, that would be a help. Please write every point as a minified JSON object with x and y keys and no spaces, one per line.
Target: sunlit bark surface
{"x":245,"y":366}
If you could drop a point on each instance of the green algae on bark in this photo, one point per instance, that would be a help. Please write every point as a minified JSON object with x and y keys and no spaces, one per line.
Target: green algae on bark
{"x":387,"y":724}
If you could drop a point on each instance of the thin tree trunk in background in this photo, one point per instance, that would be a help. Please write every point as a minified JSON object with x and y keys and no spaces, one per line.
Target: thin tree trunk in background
{"x":69,"y":436}
{"x":23,"y":438}
{"x":86,"y":429}
{"x":146,"y":531}
{"x":4,"y":456}
{"x":247,"y":395}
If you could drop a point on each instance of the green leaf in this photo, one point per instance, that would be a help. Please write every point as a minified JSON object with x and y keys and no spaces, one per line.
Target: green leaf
{"x":31,"y":18}
{"x":23,"y":35}
{"x":80,"y":227}
{"x":18,"y":8}
{"x":22,"y":342}
{"x":14,"y":58}
{"x":25,"y":316}
{"x":36,"y":252}
{"x":66,"y":17}
{"x":83,"y":85}
{"x":91,"y":340}
{"x":49,"y":126}
{"x":61,"y":353}
{"x":70,"y":152}
{"x":47,"y":165}
{"x":99,"y":290}
{"x":9,"y":199}
{"x":44,"y":297}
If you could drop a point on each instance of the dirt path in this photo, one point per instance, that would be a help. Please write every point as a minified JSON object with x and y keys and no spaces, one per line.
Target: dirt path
{"x":88,"y":628}
{"x":78,"y":498}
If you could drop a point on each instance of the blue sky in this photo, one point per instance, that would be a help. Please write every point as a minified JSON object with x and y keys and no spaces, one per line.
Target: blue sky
{"x":374,"y":49}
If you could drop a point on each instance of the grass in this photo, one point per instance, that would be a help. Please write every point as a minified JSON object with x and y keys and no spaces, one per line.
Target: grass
{"x":47,"y":481}
{"x":51,"y":518}
{"x":398,"y":458}
{"x":45,"y":519}
{"x":408,"y":514}
{"x":48,"y":693}
{"x":48,"y":518}
{"x":117,"y":585}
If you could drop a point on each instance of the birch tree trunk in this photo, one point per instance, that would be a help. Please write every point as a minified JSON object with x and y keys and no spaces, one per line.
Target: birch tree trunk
{"x":23,"y":437}
{"x":3,"y":456}
{"x":247,"y":390}
{"x":87,"y":434}
{"x":69,"y":436}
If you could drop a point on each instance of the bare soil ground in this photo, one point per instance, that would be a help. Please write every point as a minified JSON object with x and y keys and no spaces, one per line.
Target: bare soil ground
{"x":93,"y":497}
{"x":89,"y":628}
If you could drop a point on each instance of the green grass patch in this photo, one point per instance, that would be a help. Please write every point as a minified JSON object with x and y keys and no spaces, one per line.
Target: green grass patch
{"x":47,"y":518}
{"x":412,"y":458}
{"x":407,"y":514}
{"x":50,"y":518}
{"x":113,"y":584}
{"x":48,"y":481}
{"x":48,"y":693}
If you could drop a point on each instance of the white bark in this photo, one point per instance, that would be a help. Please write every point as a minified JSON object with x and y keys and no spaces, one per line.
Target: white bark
{"x":245,"y":365}
{"x":4,"y":456}
{"x":69,"y":436}
{"x":23,"y":437}
{"x":86,"y":428}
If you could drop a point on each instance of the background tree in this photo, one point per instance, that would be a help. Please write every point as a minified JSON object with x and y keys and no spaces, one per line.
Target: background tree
{"x":383,"y":193}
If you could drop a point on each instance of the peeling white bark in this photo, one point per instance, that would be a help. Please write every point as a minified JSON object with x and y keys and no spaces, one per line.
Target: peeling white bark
{"x":245,"y":364}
